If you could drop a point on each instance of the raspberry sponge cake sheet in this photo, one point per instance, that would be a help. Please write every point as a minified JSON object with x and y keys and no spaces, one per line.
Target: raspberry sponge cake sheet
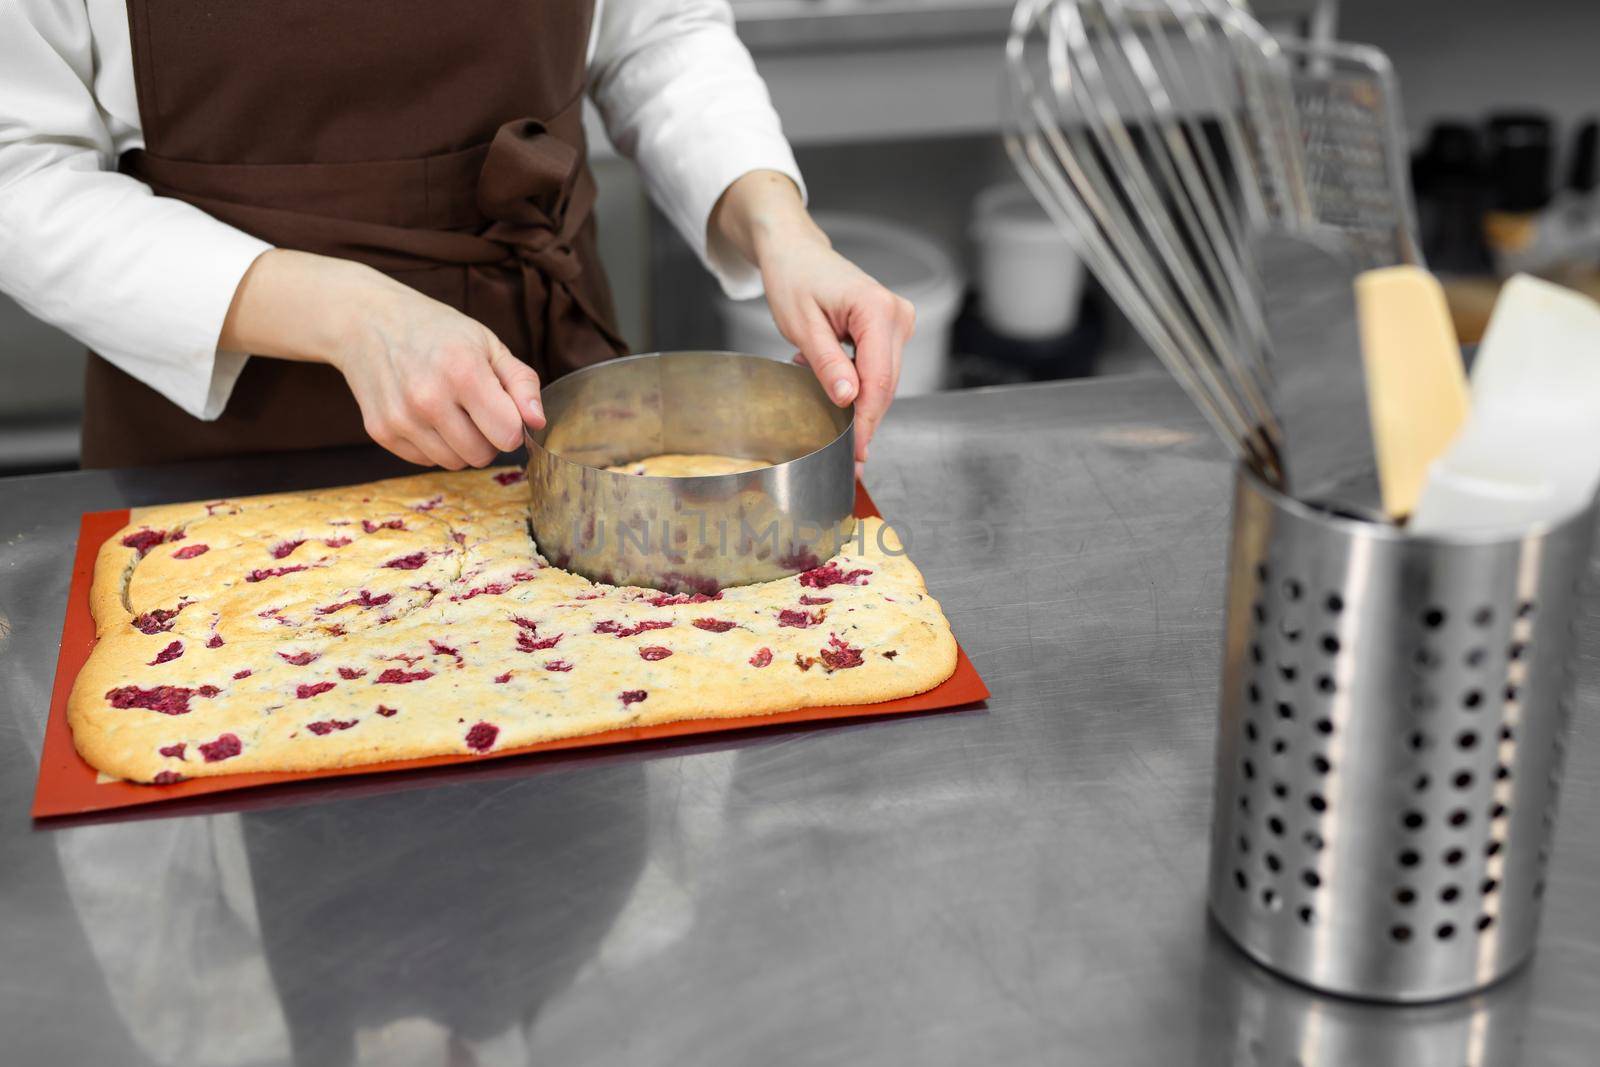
{"x":414,"y":617}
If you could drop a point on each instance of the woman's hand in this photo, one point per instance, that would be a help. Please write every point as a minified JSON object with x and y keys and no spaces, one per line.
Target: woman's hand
{"x":818,"y":298}
{"x":435,"y":387}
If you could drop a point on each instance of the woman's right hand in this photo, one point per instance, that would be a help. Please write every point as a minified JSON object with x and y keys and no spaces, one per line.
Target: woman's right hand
{"x":435,"y":386}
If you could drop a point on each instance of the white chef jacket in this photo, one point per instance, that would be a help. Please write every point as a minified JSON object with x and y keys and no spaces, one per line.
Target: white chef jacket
{"x":146,"y":281}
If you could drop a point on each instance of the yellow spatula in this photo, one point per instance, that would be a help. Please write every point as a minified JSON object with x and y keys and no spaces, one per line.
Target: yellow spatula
{"x":1416,"y":384}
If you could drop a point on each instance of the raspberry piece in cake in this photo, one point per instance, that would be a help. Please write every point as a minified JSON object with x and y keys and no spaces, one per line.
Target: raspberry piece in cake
{"x":167,"y":778}
{"x":812,"y":601}
{"x":168,"y":654}
{"x":373,"y":527}
{"x":365,"y":600}
{"x":611,"y":626}
{"x":173,"y":751}
{"x":526,"y":642}
{"x":396,"y":676}
{"x":408,"y":563}
{"x":224,"y":747}
{"x":510,"y":477}
{"x":632,"y":696}
{"x":350,"y":674}
{"x":306,"y":692}
{"x":328,"y":726}
{"x":142,"y":541}
{"x":387,"y":712}
{"x":654,"y":652}
{"x":839,"y":655}
{"x":156,"y":621}
{"x":191,"y":551}
{"x":716,"y":626}
{"x":559,"y":665}
{"x":667,"y":600}
{"x":798,"y":619}
{"x":284,"y":548}
{"x":215,"y":641}
{"x":166,"y":699}
{"x":762,"y":658}
{"x":481,"y":737}
{"x":830,"y":574}
{"x":300,"y":659}
{"x":492,"y":589}
{"x":260,"y":575}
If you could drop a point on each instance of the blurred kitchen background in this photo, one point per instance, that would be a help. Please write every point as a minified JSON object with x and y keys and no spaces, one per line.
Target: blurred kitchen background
{"x":895,"y":110}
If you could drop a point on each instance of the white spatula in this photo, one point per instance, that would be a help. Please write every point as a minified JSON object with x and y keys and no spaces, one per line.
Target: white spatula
{"x":1416,"y":384}
{"x":1530,"y":451}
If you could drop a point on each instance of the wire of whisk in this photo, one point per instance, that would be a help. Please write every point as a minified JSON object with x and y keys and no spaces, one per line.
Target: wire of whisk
{"x":1158,"y":174}
{"x":1183,"y":278}
{"x":1196,"y":188}
{"x":1043,"y":159}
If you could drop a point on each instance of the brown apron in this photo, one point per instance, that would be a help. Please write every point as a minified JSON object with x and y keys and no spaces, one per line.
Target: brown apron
{"x":441,"y":143}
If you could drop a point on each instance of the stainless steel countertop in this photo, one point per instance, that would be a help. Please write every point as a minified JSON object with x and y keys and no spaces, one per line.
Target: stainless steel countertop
{"x":1017,"y":884}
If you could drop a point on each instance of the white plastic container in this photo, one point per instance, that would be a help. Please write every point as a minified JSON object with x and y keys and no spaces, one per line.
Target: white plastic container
{"x":905,"y":262}
{"x":1030,"y":281}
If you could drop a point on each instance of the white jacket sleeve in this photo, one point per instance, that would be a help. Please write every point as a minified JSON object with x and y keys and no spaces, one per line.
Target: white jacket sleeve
{"x":680,"y":96}
{"x":145,"y":281}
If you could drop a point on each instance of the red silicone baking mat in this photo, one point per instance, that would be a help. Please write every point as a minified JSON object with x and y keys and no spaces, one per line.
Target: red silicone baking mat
{"x":69,"y":786}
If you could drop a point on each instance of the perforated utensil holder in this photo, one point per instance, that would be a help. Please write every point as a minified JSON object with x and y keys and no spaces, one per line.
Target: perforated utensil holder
{"x":1393,"y":716}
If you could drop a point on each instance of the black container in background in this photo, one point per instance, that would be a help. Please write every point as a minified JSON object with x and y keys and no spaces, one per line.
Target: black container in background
{"x":1451,"y":184}
{"x":984,"y":357}
{"x":1521,"y":155}
{"x":1583,"y":171}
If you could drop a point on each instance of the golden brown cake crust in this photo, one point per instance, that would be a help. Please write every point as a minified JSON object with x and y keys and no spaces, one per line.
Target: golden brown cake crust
{"x":413,"y":617}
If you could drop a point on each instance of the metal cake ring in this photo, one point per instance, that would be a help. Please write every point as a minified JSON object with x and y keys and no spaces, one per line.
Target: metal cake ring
{"x":691,"y":534}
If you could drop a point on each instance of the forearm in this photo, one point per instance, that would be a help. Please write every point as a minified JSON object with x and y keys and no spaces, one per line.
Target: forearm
{"x":818,"y":298}
{"x":300,"y":306}
{"x":433,"y":385}
{"x":761,"y":211}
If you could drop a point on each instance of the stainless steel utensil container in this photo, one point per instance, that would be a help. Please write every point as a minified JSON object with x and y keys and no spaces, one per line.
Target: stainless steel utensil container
{"x":691,"y":534}
{"x":1393,"y":714}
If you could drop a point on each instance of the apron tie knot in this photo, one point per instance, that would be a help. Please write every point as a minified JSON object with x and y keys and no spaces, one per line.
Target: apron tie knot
{"x":526,"y":187}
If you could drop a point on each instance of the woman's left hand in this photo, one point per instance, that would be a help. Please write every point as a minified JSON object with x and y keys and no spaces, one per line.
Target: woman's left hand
{"x":818,"y":298}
